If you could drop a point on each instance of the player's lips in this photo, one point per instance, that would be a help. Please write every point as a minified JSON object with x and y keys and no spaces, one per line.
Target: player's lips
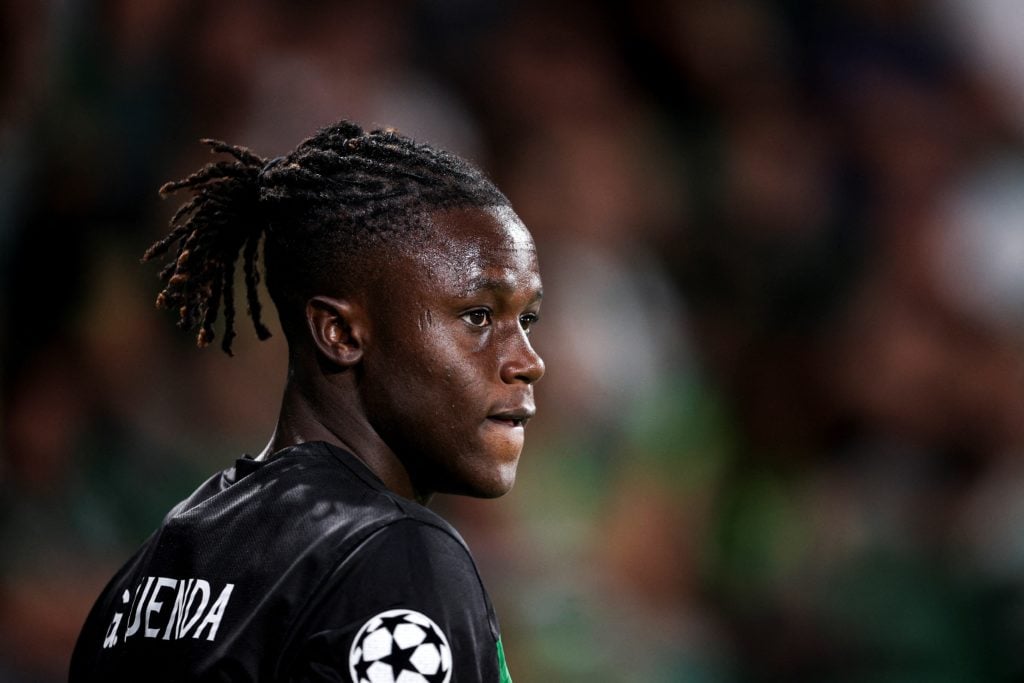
{"x":513,"y":417}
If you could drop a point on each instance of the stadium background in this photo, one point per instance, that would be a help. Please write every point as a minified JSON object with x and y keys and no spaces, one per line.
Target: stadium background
{"x":780,"y":437}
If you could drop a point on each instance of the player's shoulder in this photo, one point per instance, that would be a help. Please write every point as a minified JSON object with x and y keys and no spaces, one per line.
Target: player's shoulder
{"x":412,"y":592}
{"x":415,"y":563}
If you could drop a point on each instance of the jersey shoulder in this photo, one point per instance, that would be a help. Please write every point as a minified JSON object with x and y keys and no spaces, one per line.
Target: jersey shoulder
{"x":411,"y":587}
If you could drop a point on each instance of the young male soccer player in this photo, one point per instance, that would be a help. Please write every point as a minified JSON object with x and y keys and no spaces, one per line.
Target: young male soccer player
{"x":406,"y":288}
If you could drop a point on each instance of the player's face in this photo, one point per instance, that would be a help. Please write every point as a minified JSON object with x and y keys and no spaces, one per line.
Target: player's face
{"x":449,"y":370}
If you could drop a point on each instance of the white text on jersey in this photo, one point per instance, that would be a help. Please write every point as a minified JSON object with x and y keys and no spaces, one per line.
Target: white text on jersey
{"x":169,"y":609}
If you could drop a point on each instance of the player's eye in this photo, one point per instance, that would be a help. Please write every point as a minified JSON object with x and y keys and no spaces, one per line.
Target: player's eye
{"x":478,"y":317}
{"x":528,"y":320}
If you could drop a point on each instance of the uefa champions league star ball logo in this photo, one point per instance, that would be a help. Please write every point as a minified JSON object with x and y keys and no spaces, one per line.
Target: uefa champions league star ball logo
{"x":400,"y":646}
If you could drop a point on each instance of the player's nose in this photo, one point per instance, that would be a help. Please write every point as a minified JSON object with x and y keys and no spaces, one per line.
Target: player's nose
{"x":523,"y":363}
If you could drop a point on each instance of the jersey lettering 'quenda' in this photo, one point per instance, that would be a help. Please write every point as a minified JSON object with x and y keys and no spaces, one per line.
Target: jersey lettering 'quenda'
{"x":301,"y":568}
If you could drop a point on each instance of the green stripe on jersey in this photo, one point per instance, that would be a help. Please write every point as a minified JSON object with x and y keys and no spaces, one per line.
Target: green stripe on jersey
{"x":503,"y":674}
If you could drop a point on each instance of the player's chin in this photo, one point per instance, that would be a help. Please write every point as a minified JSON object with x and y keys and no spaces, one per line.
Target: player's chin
{"x":501,"y":481}
{"x":491,"y":484}
{"x":500,"y":460}
{"x":491,"y":475}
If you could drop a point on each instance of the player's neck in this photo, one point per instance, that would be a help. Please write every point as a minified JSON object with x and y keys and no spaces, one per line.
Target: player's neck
{"x":332,"y":412}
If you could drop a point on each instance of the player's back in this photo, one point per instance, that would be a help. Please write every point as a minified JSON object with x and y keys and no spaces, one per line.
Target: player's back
{"x":236,"y":569}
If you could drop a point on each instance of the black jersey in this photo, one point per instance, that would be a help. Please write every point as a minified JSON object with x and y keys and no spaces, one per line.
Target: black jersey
{"x":301,"y":568}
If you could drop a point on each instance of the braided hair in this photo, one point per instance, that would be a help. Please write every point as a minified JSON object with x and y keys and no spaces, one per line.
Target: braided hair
{"x":316,"y":210}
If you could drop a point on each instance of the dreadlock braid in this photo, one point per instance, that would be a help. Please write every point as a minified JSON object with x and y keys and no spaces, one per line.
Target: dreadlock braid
{"x":316,"y":211}
{"x":211,"y":229}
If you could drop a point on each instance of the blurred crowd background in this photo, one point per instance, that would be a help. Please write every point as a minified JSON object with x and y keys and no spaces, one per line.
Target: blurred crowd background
{"x":781,"y":433}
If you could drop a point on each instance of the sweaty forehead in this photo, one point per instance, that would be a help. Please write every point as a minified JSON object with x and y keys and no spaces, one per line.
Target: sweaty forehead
{"x":472,"y":249}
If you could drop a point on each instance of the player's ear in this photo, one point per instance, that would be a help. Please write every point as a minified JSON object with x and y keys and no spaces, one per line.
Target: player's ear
{"x":338,"y":328}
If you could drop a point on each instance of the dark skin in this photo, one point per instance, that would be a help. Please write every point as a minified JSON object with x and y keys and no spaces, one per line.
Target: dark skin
{"x":426,"y":373}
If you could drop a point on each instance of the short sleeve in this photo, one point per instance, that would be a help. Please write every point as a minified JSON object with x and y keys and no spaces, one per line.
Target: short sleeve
{"x":407,"y":606}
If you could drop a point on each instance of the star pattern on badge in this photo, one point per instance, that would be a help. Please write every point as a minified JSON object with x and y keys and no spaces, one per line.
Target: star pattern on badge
{"x":400,"y":646}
